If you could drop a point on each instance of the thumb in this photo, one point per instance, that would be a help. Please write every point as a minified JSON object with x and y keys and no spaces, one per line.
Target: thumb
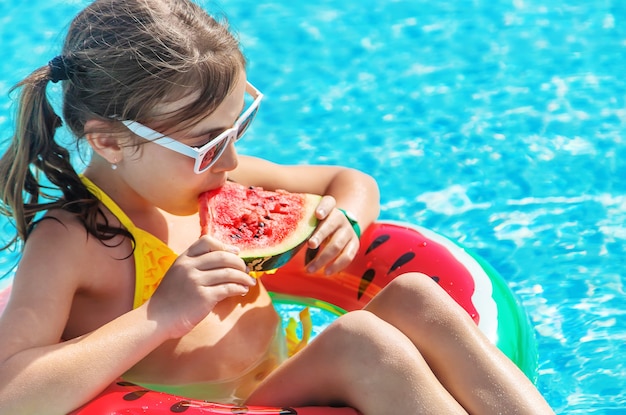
{"x":207,"y":243}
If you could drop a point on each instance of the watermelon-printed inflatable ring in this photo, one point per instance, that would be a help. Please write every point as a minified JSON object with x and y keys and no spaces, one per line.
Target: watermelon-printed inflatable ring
{"x":388,"y":249}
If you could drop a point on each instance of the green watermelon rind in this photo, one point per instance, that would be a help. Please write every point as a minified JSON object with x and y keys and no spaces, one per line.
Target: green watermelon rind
{"x":516,"y":336}
{"x":272,"y":257}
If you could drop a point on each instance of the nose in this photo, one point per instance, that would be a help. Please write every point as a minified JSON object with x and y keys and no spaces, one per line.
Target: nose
{"x":228,"y":161}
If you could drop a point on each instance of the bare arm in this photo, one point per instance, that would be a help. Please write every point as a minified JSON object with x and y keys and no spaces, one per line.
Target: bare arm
{"x":66,"y":375}
{"x":353,"y":190}
{"x":38,"y":371}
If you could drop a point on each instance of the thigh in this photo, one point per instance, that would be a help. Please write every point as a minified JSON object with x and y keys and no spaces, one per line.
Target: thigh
{"x":359,"y":361}
{"x":315,"y":375}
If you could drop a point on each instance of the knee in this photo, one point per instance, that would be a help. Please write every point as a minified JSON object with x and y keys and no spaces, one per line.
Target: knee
{"x":365,"y":354}
{"x":362,"y":336}
{"x":417,"y":284}
{"x":357,"y":324}
{"x":414,"y":290}
{"x":416,"y":297}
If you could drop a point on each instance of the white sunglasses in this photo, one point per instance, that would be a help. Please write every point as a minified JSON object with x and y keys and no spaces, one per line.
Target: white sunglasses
{"x":209,"y":153}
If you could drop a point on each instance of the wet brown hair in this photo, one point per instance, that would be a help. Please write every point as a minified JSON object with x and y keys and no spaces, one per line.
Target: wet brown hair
{"x":120,"y":58}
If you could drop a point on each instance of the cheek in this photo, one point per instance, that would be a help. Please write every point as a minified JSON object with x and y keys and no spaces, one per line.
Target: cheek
{"x":158,"y":163}
{"x":175,"y":194}
{"x":161,"y":158}
{"x":165,"y":179}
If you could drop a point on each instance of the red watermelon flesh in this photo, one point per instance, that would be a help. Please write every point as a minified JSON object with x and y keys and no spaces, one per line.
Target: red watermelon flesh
{"x":268,"y":226}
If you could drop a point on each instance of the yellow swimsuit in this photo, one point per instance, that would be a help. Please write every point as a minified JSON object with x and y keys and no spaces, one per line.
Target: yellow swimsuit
{"x":152,"y":256}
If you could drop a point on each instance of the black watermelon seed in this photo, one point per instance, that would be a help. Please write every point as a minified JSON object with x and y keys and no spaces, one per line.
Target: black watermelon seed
{"x":366,"y":279}
{"x":377,"y":242}
{"x":401,"y":261}
{"x":180,"y":407}
{"x":133,"y":396}
{"x":310,"y":255}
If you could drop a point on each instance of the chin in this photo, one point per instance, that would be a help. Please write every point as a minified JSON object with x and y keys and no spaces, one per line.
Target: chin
{"x":179,"y":209}
{"x":187,"y":212}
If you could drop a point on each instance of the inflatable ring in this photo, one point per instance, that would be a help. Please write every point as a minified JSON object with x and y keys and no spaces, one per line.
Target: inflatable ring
{"x":388,"y":249}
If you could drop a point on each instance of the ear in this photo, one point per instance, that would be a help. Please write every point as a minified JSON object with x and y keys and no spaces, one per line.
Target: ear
{"x":105,"y":139}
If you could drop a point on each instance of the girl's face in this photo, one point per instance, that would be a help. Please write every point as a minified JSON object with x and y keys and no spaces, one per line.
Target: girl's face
{"x":165,"y":178}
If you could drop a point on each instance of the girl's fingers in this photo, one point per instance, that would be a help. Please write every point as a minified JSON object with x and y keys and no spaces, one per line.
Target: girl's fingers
{"x":218,"y":260}
{"x":325,"y":207}
{"x":337,"y":253}
{"x":199,"y":279}
{"x":225,"y":276}
{"x":207,"y":244}
{"x":208,"y":253}
{"x":334,"y":223}
{"x":343,"y":260}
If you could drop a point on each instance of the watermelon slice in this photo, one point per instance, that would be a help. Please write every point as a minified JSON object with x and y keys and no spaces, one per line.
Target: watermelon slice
{"x":268,"y":226}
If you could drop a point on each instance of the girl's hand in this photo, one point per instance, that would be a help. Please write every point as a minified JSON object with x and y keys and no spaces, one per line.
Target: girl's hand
{"x":208,"y":272}
{"x":337,"y":242}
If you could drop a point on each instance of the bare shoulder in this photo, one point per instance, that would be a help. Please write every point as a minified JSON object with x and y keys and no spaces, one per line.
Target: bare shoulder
{"x":59,"y":239}
{"x":43,"y":286}
{"x":60,"y":263}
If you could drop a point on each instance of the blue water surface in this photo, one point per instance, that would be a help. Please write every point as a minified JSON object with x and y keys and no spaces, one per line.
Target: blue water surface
{"x":495,"y":122}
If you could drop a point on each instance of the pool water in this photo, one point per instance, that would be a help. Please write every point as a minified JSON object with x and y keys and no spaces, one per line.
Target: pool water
{"x":495,"y":122}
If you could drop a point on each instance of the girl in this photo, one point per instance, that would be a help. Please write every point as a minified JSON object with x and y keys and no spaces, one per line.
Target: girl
{"x":114,"y":281}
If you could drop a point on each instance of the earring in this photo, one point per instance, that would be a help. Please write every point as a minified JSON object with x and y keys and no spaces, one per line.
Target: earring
{"x":114,"y":164}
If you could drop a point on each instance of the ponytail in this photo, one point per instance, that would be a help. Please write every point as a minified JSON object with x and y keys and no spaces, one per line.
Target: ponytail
{"x":32,"y":151}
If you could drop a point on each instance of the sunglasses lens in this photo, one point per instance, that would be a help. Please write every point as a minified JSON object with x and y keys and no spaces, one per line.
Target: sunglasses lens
{"x":246,"y":123}
{"x":213,"y":153}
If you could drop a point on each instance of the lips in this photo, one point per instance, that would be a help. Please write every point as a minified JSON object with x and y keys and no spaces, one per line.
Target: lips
{"x":215,"y":184}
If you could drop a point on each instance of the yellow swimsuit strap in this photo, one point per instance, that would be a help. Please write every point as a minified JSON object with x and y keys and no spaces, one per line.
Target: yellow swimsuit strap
{"x":109,"y":203}
{"x":152,"y":256}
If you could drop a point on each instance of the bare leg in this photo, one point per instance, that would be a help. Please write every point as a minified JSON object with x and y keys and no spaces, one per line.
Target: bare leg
{"x":362,"y":362}
{"x":467,"y":364}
